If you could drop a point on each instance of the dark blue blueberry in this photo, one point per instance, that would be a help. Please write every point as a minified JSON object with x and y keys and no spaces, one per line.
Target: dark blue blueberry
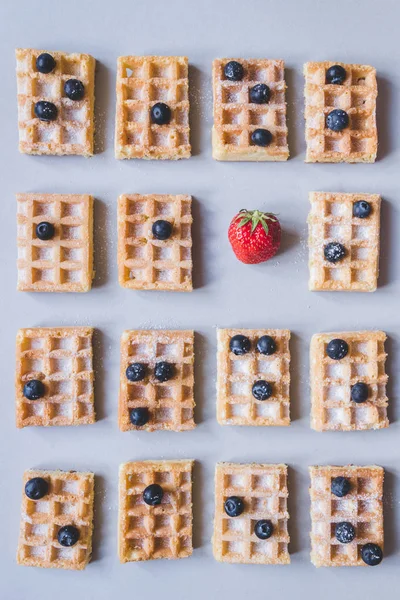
{"x":234,"y":71}
{"x":34,"y":389}
{"x":45,"y":231}
{"x":68,"y":536}
{"x":337,"y":349}
{"x":336,"y":75}
{"x":361,"y":209}
{"x":136,"y":372}
{"x":345,"y":532}
{"x":160,"y":114}
{"x":36,"y":488}
{"x":260,"y":94}
{"x":239,"y":344}
{"x":153,"y":494}
{"x":359,"y":392}
{"x":139,"y":416}
{"x":340,"y":486}
{"x":74,"y":89}
{"x":161,"y":229}
{"x":262,"y":390}
{"x":337,"y":120}
{"x":334,"y":252}
{"x":46,"y":111}
{"x":261,"y":137}
{"x":371,"y":554}
{"x":263,"y":529}
{"x":266,"y":345}
{"x":45,"y":63}
{"x":234,"y":506}
{"x":163,"y":371}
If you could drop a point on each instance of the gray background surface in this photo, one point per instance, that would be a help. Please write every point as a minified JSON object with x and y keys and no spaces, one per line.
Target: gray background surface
{"x":228,"y":293}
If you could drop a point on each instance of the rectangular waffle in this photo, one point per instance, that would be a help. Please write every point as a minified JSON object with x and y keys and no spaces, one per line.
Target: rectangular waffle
{"x":331,"y":382}
{"x":69,"y":501}
{"x":163,"y":531}
{"x":237,"y":374}
{"x":73,"y":130}
{"x":60,"y":357}
{"x":143,"y":81}
{"x":145,"y":263}
{"x":362,"y":507}
{"x":263,"y":489}
{"x":235,"y":118}
{"x":65,"y":262}
{"x":170,"y":403}
{"x":331,"y":220}
{"x":357,"y":96}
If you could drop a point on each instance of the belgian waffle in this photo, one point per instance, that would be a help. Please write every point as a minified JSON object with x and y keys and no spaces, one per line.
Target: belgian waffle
{"x":65,"y":262}
{"x":72,"y":132}
{"x":146,"y":263}
{"x":149,"y":532}
{"x":69,"y":501}
{"x":357,"y":96}
{"x":60,"y":357}
{"x":235,"y":118}
{"x":362,"y":507}
{"x":331,"y":381}
{"x":263,"y":488}
{"x":237,"y":374}
{"x":331,"y":220}
{"x":142,"y":81}
{"x":170,"y":403}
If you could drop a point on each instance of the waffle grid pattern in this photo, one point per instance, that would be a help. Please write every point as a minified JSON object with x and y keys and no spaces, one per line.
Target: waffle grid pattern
{"x":357,"y":96}
{"x":68,"y":502}
{"x":331,"y":381}
{"x":331,"y":220}
{"x":72,"y":132}
{"x":235,"y":118}
{"x":61,"y":358}
{"x":362,"y":507}
{"x":152,"y":532}
{"x":145,"y":263}
{"x":236,"y":404}
{"x":263,"y":489}
{"x":142,"y":81}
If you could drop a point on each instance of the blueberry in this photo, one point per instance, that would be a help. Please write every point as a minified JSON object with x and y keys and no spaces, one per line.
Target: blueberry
{"x":46,"y":111}
{"x":160,"y":114}
{"x":340,"y":486}
{"x":334,"y":252}
{"x":136,"y":372}
{"x":337,"y":349}
{"x":153,"y":494}
{"x":239,"y":344}
{"x":45,"y":231}
{"x":45,"y":63}
{"x":163,"y":371}
{"x":139,"y":416}
{"x":263,"y":529}
{"x":262,"y":390}
{"x":36,"y":488}
{"x":266,"y":345}
{"x":260,"y":94}
{"x":359,"y":392}
{"x":34,"y":389}
{"x":336,"y":75}
{"x":345,"y":532}
{"x":74,"y":89}
{"x":261,"y":137}
{"x":161,"y":230}
{"x":234,"y":71}
{"x":68,"y":536}
{"x":337,"y":120}
{"x":234,"y":506}
{"x":371,"y":554}
{"x":361,"y":209}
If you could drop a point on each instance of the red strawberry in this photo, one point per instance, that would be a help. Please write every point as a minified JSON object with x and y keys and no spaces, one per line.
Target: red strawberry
{"x":255,"y":236}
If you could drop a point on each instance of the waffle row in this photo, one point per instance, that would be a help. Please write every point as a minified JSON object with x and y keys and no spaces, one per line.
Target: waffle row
{"x":56,"y":108}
